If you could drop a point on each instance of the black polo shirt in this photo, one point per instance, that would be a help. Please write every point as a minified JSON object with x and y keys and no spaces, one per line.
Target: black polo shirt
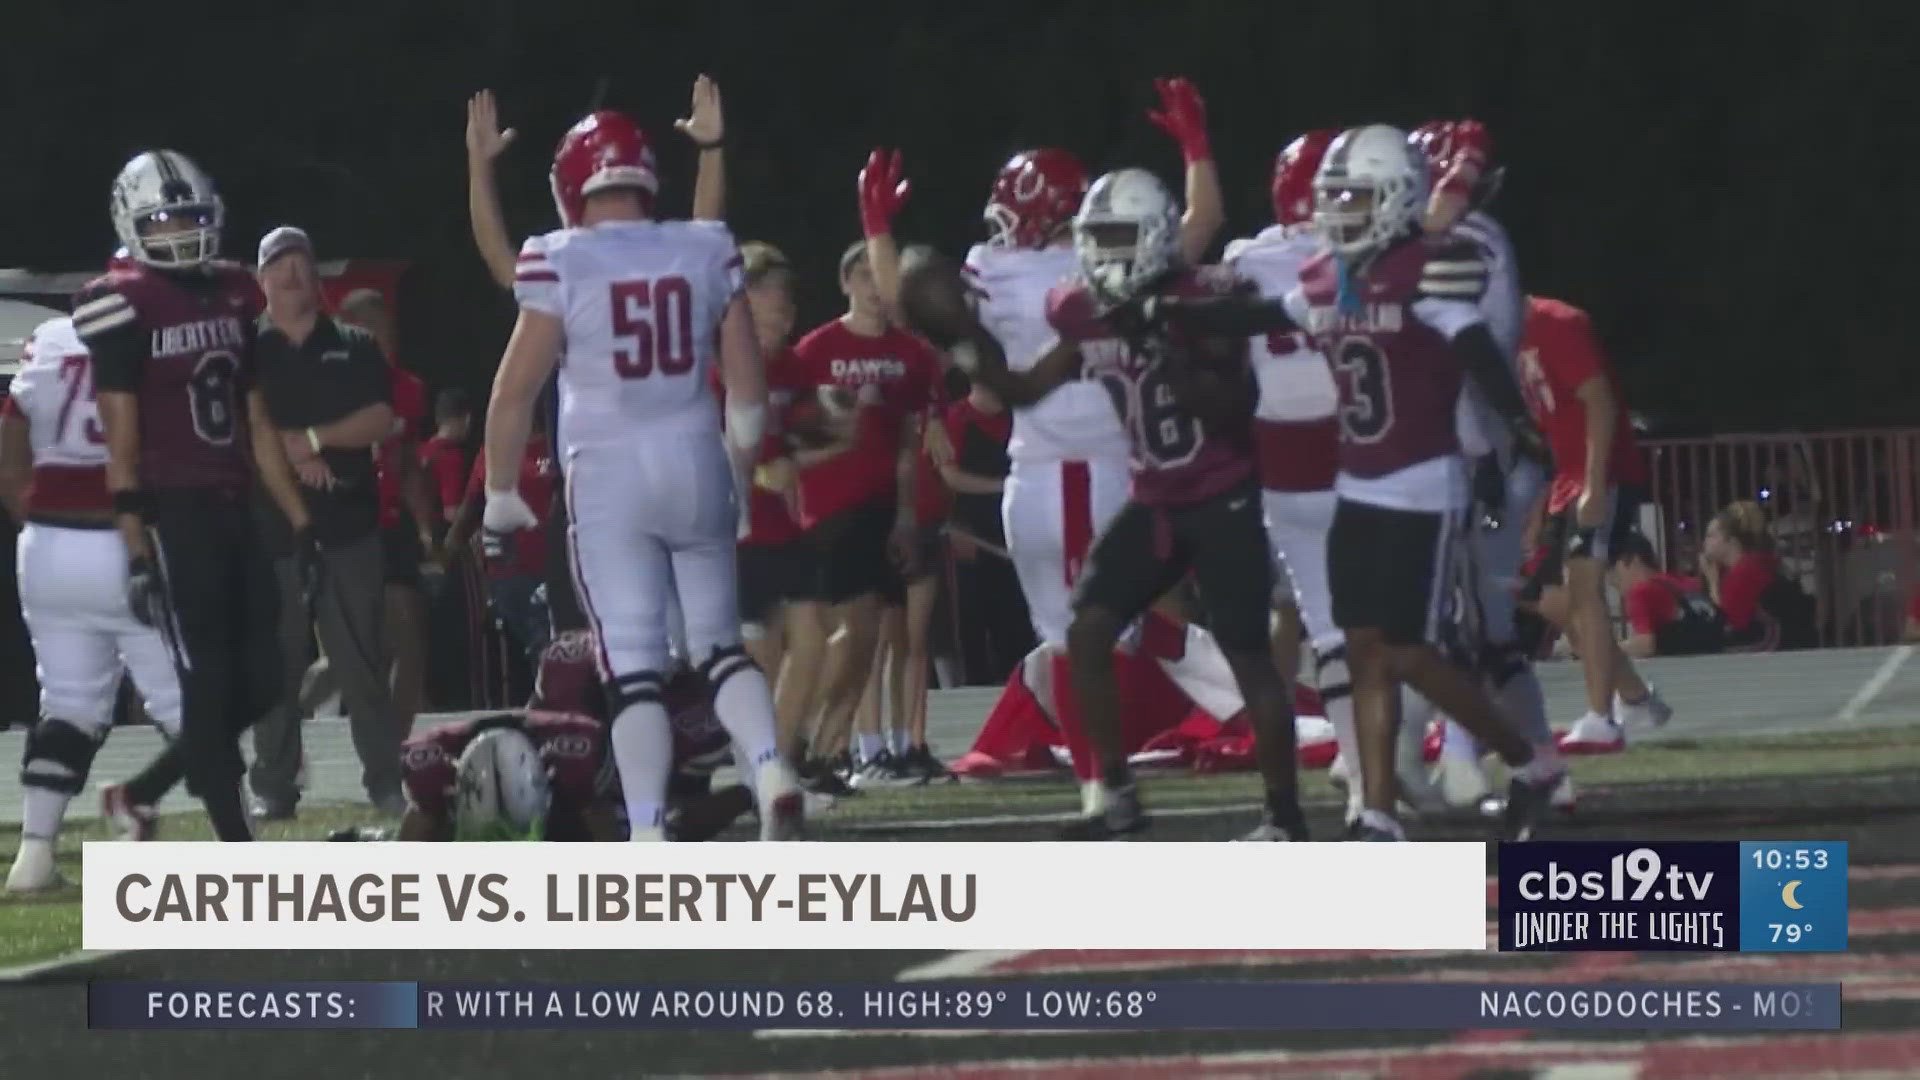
{"x":337,"y":371}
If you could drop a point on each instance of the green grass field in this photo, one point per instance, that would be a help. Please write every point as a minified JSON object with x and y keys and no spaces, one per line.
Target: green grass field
{"x":47,"y":925}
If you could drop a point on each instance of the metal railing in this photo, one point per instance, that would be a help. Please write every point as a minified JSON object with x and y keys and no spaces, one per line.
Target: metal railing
{"x":1842,"y":508}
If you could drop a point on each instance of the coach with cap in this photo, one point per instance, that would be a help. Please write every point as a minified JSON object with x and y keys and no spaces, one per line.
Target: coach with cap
{"x":329,"y":394}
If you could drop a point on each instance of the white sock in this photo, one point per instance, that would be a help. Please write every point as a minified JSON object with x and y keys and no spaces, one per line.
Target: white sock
{"x":744,"y":706}
{"x":1340,"y":714}
{"x":42,"y":811}
{"x":899,"y":742}
{"x":1204,"y":675}
{"x":643,"y":752}
{"x":1525,"y":704}
{"x":868,"y":745}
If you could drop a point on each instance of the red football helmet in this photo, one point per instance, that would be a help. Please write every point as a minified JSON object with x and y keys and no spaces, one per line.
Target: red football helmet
{"x":1457,"y":152}
{"x":1293,"y":173}
{"x":605,"y":150}
{"x":1034,"y":198}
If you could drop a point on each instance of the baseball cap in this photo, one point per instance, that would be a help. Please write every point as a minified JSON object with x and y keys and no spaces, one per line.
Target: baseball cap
{"x":280,"y":241}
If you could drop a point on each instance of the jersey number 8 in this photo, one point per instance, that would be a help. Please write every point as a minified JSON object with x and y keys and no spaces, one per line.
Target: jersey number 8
{"x":658,"y":315}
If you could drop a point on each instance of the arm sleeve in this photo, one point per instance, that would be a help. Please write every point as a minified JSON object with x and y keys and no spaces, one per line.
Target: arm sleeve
{"x":108,"y":325}
{"x":1462,"y":324}
{"x":536,"y":282}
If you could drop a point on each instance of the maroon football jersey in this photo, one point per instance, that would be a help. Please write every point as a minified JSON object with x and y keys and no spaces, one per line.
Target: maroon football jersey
{"x":573,"y":747}
{"x":1177,"y":457}
{"x":182,"y":342}
{"x":1398,"y":377}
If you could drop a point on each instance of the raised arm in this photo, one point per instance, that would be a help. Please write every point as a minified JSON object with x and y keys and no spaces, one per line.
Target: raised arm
{"x":485,"y":142}
{"x":706,"y":126}
{"x":1183,"y":116}
{"x":883,"y":191}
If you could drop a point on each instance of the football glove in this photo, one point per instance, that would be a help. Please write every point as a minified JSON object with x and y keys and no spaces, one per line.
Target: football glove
{"x":146,"y":593}
{"x":507,"y":512}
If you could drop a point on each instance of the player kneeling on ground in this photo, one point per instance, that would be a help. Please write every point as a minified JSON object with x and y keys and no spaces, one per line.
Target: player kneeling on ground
{"x":546,"y":774}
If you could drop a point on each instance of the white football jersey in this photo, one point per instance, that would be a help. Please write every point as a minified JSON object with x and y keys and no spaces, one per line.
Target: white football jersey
{"x":54,"y":391}
{"x":1295,"y":381}
{"x":642,"y":303}
{"x":1077,"y":422}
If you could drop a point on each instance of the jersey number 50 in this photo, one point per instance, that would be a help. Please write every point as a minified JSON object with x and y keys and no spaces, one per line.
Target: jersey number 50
{"x":658,"y":315}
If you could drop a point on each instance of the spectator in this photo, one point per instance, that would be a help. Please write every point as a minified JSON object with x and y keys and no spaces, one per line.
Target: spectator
{"x":329,"y":393}
{"x":516,"y":564}
{"x":1667,"y":614}
{"x":970,"y":448}
{"x":407,"y":517}
{"x":444,"y":457}
{"x":1764,"y":610}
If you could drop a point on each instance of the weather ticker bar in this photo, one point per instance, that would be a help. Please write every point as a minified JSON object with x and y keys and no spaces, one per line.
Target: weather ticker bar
{"x":960,"y":1005}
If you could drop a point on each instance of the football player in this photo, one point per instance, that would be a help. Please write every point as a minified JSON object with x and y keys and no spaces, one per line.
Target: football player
{"x":73,"y":589}
{"x":1297,"y":436}
{"x":1506,"y":484}
{"x":643,"y":309}
{"x":188,"y":441}
{"x":1591,"y":508}
{"x":1391,"y":310}
{"x":1185,"y":401}
{"x":1069,"y":453}
{"x":554,"y":777}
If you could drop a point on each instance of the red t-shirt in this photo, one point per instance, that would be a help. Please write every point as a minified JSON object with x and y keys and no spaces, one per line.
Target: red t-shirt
{"x":894,"y":376}
{"x":769,"y":519}
{"x":1655,"y":602}
{"x":446,"y":463}
{"x":538,"y":475}
{"x":1741,"y":586}
{"x":410,"y":419}
{"x":1558,"y":354}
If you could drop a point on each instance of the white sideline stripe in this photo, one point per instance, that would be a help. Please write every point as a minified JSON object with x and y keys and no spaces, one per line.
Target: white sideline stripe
{"x":1876,"y":683}
{"x":73,"y":960}
{"x":1060,"y":817}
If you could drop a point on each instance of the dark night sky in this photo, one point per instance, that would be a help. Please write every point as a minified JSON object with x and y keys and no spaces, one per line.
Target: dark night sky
{"x":1726,"y":186}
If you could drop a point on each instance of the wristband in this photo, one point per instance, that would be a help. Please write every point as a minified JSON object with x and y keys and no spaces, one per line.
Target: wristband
{"x":714,"y":145}
{"x":135,"y":502}
{"x":313,"y":440}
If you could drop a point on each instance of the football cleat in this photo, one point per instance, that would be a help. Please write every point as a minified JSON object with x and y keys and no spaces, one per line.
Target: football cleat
{"x":33,"y":867}
{"x":131,"y":820}
{"x":1649,"y":712}
{"x":1528,"y":799}
{"x":1592,"y":734}
{"x":1271,"y":831}
{"x":883,"y":770}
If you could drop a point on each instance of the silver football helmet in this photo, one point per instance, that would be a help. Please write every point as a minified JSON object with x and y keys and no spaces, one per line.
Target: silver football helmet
{"x":166,"y":211}
{"x":1126,"y":234}
{"x":1371,"y":187}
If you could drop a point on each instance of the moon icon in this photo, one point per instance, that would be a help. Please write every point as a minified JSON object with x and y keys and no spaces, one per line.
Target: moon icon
{"x":1786,"y":895}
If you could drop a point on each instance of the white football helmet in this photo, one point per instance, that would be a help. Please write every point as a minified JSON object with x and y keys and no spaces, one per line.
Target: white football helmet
{"x":1126,"y":234}
{"x":503,"y":792}
{"x":1371,"y":187}
{"x":166,"y":211}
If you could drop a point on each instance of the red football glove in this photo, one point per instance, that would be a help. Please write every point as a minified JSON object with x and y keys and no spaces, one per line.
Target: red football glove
{"x":882,"y":192}
{"x":1183,"y":116}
